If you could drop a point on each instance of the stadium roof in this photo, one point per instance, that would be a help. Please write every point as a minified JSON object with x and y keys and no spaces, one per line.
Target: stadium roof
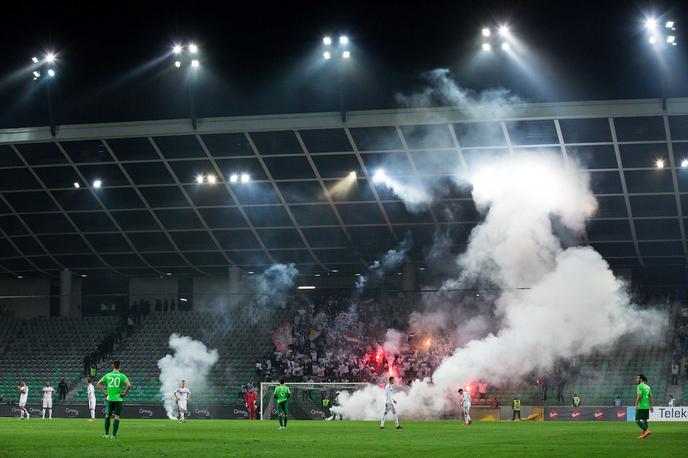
{"x":151,"y":217}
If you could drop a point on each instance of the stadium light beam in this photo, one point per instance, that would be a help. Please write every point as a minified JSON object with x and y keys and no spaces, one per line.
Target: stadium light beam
{"x":352,"y":175}
{"x":503,"y":31}
{"x":212,"y":179}
{"x":199,"y":179}
{"x":233,"y":178}
{"x":651,"y":23}
{"x":50,"y":57}
{"x":380,"y":176}
{"x":245,"y":177}
{"x":97,"y":183}
{"x":652,"y":39}
{"x":659,"y":163}
{"x":177,"y":49}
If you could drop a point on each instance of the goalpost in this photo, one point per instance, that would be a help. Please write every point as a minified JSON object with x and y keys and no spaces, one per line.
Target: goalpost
{"x":306,"y":401}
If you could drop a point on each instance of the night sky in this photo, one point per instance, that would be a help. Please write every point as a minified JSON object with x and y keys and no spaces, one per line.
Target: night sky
{"x":262,"y":58}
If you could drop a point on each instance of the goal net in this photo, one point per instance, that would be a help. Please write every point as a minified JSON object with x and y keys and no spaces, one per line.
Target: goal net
{"x":308,"y":401}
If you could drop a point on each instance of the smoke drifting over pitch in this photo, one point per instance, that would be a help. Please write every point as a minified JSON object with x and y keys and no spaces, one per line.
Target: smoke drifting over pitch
{"x":553,"y":301}
{"x":191,"y":361}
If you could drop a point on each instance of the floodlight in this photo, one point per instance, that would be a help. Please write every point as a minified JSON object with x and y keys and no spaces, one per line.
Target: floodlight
{"x":199,"y":179}
{"x":506,"y":46}
{"x":36,"y":74}
{"x":379,"y":176}
{"x":177,"y":64}
{"x":651,"y":23}
{"x":245,"y":177}
{"x":50,"y":57}
{"x":343,"y":40}
{"x":177,"y":49}
{"x":20,"y":276}
{"x":97,"y":183}
{"x":504,"y":30}
{"x":352,"y":175}
{"x":51,"y":72}
{"x":34,"y":59}
{"x":195,"y":63}
{"x":659,"y":163}
{"x":486,"y":32}
{"x":487,"y":47}
{"x":212,"y":179}
{"x":169,"y":274}
{"x":327,"y":55}
{"x":193,"y":48}
{"x":77,"y":185}
{"x":669,"y":24}
{"x":346,"y":54}
{"x":327,"y":41}
{"x":670,"y":39}
{"x":653,"y":39}
{"x":233,"y":178}
{"x":84,"y":275}
{"x":684,"y":163}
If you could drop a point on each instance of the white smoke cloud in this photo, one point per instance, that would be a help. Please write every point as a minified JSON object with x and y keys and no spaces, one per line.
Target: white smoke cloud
{"x":554,"y":302}
{"x":274,"y":283}
{"x":191,"y":361}
{"x":391,"y":260}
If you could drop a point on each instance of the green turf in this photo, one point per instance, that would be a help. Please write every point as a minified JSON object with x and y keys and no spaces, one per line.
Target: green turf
{"x":72,"y":438}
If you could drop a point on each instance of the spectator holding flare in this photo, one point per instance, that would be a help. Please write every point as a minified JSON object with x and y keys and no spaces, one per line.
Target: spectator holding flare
{"x":282,"y":394}
{"x":643,"y":405}
{"x":112,"y":384}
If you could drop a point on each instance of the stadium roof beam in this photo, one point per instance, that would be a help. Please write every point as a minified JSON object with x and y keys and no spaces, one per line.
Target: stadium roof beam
{"x":674,"y":180}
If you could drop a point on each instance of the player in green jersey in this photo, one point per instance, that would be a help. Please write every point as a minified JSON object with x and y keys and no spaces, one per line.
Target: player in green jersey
{"x":112,"y":384}
{"x":282,"y":393}
{"x":643,"y":405}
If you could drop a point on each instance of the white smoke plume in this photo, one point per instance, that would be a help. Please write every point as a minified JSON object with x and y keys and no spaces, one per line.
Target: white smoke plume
{"x":554,"y":302}
{"x":274,"y":283}
{"x":391,"y":260}
{"x":191,"y":361}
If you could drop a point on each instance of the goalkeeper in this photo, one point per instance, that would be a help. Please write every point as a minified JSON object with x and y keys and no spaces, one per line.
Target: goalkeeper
{"x":282,"y":394}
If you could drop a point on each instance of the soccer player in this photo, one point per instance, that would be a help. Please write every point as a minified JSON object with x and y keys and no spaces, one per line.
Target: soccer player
{"x":112,"y":384}
{"x":389,"y":404}
{"x":48,"y":392}
{"x":465,"y":402}
{"x":182,"y":395}
{"x":23,"y":390}
{"x":643,"y":405}
{"x":282,"y":394}
{"x":91,"y":395}
{"x":250,"y":401}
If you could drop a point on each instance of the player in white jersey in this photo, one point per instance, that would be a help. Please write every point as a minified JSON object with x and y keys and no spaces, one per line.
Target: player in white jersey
{"x":23,"y":396}
{"x":465,"y":403}
{"x":48,"y":392}
{"x":182,"y":395}
{"x":91,"y":395}
{"x":389,"y":404}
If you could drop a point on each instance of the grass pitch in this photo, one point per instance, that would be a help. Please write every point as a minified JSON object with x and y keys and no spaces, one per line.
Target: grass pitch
{"x":149,"y":438}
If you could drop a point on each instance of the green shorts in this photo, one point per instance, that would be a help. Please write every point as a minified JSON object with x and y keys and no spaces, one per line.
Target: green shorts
{"x":282,"y":407}
{"x":113,"y":408}
{"x":642,"y":414}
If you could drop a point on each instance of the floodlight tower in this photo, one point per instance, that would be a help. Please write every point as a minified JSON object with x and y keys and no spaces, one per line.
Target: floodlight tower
{"x":496,"y":44}
{"x":187,"y":56}
{"x":337,"y":53}
{"x":662,"y":37}
{"x":45,"y":69}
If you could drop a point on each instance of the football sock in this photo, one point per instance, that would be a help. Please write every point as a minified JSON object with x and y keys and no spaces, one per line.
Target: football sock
{"x":646,"y":425}
{"x":107,"y":425}
{"x":43,"y":414}
{"x":640,"y":424}
{"x":285,"y":421}
{"x":115,"y":427}
{"x":280,"y":420}
{"x":50,"y":413}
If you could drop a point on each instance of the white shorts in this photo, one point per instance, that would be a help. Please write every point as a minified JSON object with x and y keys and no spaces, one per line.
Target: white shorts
{"x":466,"y":408}
{"x":22,"y":403}
{"x":91,"y":403}
{"x":47,"y":403}
{"x":182,"y":406}
{"x":389,"y":408}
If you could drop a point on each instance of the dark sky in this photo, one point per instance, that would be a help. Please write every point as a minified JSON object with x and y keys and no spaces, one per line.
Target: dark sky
{"x":261,"y":58}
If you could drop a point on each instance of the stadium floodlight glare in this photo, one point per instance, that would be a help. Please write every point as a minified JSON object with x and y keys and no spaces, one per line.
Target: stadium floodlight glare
{"x":343,"y":40}
{"x":183,"y":299}
{"x":169,"y":274}
{"x":77,"y":185}
{"x":177,"y":64}
{"x":34,"y":59}
{"x":506,"y":46}
{"x":233,"y":178}
{"x":199,"y":179}
{"x":327,"y":41}
{"x":346,"y":54}
{"x":36,"y":75}
{"x":305,"y":287}
{"x":195,"y":63}
{"x":486,"y":32}
{"x":671,"y":39}
{"x":245,"y":177}
{"x":97,"y":183}
{"x":684,"y":163}
{"x":212,"y":179}
{"x":503,"y":30}
{"x":193,"y":48}
{"x":20,"y":276}
{"x":51,"y":72}
{"x":177,"y":49}
{"x":84,"y":275}
{"x":669,"y":25}
{"x":380,"y":176}
{"x":487,"y":47}
{"x":659,"y":163}
{"x":651,"y":23}
{"x":652,"y":39}
{"x":50,"y":57}
{"x":352,"y":175}
{"x":327,"y":55}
